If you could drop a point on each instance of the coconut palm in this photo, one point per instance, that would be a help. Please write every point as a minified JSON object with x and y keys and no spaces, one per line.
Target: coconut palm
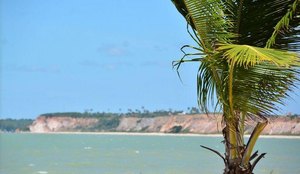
{"x":247,"y":54}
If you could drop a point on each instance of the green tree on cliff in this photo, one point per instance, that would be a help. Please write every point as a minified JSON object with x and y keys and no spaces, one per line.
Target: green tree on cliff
{"x":244,"y":50}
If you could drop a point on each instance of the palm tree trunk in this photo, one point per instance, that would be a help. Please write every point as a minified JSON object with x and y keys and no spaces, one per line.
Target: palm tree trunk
{"x":234,"y":148}
{"x":237,"y":154}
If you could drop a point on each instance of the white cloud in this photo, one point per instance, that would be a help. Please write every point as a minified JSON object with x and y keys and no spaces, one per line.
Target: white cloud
{"x":114,"y":50}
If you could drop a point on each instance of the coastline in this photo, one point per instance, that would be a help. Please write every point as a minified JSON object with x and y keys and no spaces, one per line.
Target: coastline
{"x":161,"y":134}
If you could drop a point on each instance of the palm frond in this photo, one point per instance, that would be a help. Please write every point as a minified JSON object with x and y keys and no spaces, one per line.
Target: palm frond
{"x":259,"y":89}
{"x":181,"y":7}
{"x":258,"y":19}
{"x":206,"y":86}
{"x":245,"y":55}
{"x":283,"y":24}
{"x":258,"y":78}
{"x":210,"y":21}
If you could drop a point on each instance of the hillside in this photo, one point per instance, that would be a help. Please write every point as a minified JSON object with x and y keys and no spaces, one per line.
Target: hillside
{"x":196,"y":123}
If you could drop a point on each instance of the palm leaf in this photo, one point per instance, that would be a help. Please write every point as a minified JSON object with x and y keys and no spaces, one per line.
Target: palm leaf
{"x":258,"y":19}
{"x":260,"y":88}
{"x":209,"y":19}
{"x":252,"y":88}
{"x":245,"y":55}
{"x":284,"y":23}
{"x":207,"y":81}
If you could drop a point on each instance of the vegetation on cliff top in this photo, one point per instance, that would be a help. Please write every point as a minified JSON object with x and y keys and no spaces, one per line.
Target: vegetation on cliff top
{"x":107,"y":121}
{"x":132,"y":113}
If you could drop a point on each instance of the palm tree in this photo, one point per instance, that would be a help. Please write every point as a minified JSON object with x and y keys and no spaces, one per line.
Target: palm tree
{"x":244,"y":50}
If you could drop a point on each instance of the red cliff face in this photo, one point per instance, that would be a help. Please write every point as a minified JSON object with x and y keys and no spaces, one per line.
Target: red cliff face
{"x":184,"y":123}
{"x":283,"y":126}
{"x":203,"y":124}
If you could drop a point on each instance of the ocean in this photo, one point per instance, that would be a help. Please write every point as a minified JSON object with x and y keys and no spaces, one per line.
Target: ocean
{"x":133,"y":154}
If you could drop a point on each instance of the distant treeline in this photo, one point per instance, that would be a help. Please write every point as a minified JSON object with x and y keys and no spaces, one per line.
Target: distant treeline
{"x":12,"y":125}
{"x":107,"y":120}
{"x":130,"y":113}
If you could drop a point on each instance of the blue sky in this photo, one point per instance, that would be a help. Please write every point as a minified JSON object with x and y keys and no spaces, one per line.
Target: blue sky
{"x":73,"y":55}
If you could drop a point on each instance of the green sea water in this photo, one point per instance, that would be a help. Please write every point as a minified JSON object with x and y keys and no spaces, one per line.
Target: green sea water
{"x":123,"y":154}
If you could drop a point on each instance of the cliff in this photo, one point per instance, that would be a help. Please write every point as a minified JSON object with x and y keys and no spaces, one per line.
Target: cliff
{"x":61,"y":124}
{"x":200,"y":123}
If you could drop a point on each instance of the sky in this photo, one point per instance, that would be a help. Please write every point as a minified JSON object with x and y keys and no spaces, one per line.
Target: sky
{"x":111,"y":56}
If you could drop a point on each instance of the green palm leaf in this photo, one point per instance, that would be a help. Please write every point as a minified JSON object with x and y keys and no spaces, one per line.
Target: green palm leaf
{"x":284,"y":23}
{"x":258,"y":19}
{"x":245,"y":55}
{"x":259,"y":88}
{"x":210,"y":21}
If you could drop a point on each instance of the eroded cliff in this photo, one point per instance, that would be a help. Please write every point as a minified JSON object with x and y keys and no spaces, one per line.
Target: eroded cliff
{"x":201,"y":123}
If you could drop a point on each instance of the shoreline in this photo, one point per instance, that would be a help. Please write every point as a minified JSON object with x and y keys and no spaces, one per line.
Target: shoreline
{"x":160,"y":134}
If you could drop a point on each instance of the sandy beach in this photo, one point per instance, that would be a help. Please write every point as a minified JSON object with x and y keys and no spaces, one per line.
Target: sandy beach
{"x":165,"y":134}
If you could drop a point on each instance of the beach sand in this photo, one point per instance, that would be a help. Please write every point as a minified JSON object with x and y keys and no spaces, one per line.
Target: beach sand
{"x":165,"y":134}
